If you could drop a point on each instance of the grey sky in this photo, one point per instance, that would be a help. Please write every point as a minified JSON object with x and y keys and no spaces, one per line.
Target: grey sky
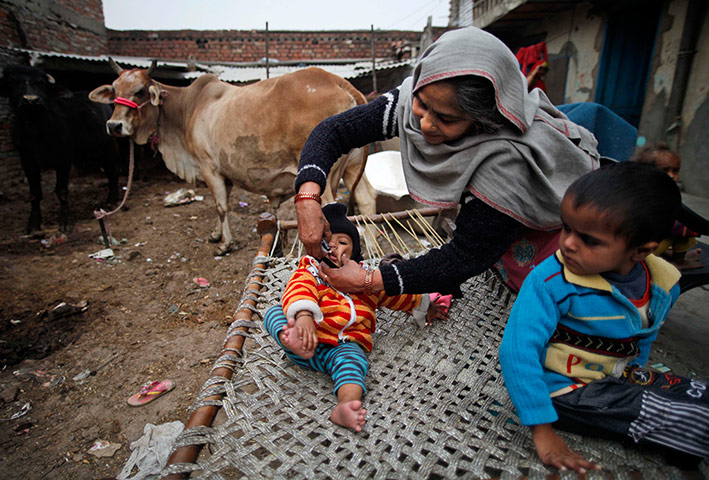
{"x":280,"y":14}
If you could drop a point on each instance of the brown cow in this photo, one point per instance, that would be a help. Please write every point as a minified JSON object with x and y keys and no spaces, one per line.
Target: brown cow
{"x":250,"y":136}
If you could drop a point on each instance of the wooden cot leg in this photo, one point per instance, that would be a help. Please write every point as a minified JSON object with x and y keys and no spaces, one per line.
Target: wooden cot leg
{"x":204,"y":416}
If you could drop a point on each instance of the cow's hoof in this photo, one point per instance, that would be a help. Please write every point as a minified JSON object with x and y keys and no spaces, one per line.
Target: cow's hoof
{"x":112,"y":199}
{"x":223,"y":249}
{"x":66,"y":227}
{"x":33,"y":229}
{"x":215,"y":237}
{"x":36,"y":234}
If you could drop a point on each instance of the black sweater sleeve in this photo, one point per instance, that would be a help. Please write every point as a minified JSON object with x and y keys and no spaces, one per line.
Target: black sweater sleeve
{"x":340,"y":133}
{"x":481,"y":237}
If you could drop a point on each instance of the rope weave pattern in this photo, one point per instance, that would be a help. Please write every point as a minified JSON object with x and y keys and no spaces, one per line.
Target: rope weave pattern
{"x":437,"y":406}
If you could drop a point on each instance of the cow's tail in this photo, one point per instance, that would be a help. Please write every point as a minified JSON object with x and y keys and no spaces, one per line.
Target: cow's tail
{"x":361,"y":100}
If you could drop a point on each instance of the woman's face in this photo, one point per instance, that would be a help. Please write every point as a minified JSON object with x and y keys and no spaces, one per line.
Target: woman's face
{"x":437,"y":110}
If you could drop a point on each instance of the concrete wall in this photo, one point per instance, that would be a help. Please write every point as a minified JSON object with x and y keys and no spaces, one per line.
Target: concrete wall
{"x":580,"y":33}
{"x":661,"y":76}
{"x":689,"y":136}
{"x":694,"y":140}
{"x":576,"y":35}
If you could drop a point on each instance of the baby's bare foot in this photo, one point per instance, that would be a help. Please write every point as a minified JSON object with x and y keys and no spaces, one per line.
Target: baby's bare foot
{"x":349,"y":414}
{"x":290,"y":339}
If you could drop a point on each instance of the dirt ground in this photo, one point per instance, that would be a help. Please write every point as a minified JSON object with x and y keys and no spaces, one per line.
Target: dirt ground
{"x":145,"y":319}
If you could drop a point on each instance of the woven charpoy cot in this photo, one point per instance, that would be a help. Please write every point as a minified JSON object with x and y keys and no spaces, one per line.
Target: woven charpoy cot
{"x":437,"y":405}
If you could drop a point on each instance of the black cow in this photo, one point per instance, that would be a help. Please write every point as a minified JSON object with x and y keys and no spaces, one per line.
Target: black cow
{"x":53,"y":129}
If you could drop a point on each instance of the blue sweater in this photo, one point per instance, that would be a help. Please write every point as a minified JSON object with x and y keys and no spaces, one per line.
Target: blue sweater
{"x":567,"y":330}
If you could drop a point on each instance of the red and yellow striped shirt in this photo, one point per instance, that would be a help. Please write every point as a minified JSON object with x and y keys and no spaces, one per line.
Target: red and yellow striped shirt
{"x":338,"y":316}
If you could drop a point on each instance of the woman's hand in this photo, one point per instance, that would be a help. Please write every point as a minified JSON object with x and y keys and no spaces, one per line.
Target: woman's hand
{"x":312,"y":225}
{"x":349,"y":278}
{"x":552,"y":450}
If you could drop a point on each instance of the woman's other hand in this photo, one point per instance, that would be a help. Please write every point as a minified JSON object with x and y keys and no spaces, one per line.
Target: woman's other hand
{"x":349,"y":278}
{"x":312,"y":225}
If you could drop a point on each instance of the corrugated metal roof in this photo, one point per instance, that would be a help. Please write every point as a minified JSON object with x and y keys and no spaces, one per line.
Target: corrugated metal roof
{"x":243,"y":74}
{"x":229,"y":73}
{"x":130,"y":62}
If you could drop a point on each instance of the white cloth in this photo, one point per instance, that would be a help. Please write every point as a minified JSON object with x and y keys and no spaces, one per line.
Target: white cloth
{"x":151,"y":451}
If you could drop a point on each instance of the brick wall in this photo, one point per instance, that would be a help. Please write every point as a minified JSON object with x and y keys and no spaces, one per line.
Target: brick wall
{"x":250,"y":45}
{"x":67,"y":26}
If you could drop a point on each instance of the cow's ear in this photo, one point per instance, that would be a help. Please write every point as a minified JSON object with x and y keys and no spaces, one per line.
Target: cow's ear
{"x":102,"y":94}
{"x":154,"y":95}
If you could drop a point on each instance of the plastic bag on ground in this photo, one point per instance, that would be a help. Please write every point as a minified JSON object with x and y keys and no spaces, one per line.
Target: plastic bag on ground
{"x":151,"y":451}
{"x":181,"y":197}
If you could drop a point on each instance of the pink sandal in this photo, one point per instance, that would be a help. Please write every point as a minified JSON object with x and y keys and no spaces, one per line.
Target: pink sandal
{"x":150,"y":392}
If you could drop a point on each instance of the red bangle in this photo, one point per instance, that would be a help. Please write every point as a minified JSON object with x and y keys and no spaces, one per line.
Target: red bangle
{"x":368,"y":282}
{"x":307,"y":196}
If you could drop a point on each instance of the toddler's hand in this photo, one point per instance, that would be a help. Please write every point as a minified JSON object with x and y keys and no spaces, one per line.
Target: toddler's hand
{"x":305,"y":326}
{"x":443,"y":300}
{"x":438,"y":308}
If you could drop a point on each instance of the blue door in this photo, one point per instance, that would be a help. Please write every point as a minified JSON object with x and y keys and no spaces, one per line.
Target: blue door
{"x":625,"y":59}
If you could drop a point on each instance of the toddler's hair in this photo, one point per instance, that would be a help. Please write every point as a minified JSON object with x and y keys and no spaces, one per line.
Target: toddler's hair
{"x":649,"y":153}
{"x":640,"y":201}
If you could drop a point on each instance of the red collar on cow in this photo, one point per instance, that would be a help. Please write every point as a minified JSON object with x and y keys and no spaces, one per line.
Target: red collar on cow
{"x":126,"y":102}
{"x":155,"y":136}
{"x":130,"y":103}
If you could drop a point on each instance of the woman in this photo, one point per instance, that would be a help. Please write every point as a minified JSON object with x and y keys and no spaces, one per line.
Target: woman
{"x":472,"y":135}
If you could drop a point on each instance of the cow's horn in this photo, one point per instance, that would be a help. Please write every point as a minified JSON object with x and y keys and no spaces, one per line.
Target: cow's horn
{"x":116,"y":68}
{"x":151,"y":68}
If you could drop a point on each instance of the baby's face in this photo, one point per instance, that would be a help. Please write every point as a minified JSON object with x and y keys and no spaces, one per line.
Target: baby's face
{"x":340,"y":243}
{"x":669,"y":163}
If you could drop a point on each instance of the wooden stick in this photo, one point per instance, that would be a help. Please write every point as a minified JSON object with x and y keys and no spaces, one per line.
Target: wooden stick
{"x":424,"y":212}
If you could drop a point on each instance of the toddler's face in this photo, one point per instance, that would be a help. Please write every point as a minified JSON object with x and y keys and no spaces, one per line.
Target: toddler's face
{"x":669,"y":163}
{"x":339,"y":243}
{"x":589,"y":244}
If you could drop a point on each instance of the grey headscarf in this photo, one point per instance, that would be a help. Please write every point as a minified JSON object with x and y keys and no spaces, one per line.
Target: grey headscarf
{"x":522,"y":171}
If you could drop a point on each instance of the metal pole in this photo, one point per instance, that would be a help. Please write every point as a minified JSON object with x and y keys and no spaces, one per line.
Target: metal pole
{"x":106,"y":242}
{"x":374,"y":65}
{"x":267,"y":72}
